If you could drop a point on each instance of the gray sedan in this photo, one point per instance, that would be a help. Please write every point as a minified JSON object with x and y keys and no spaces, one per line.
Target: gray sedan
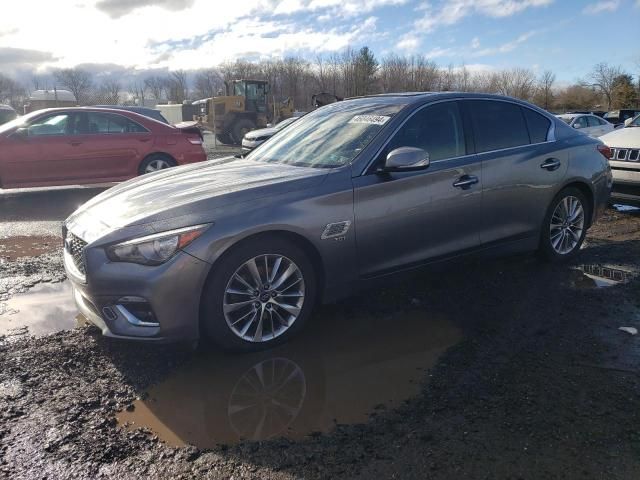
{"x":242,"y":252}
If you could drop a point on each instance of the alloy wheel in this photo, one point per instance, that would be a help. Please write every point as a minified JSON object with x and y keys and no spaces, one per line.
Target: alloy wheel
{"x":267,"y":399}
{"x":155,"y":165}
{"x":567,"y":225}
{"x":263,"y":298}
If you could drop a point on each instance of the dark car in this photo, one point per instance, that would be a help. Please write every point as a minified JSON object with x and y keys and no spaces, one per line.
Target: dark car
{"x":618,"y":117}
{"x":147,"y":112}
{"x":7,"y":114}
{"x":70,"y":146}
{"x":354,"y":191}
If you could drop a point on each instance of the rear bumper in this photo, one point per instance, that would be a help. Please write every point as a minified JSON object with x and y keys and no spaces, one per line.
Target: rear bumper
{"x":169,"y":292}
{"x":193,"y":157}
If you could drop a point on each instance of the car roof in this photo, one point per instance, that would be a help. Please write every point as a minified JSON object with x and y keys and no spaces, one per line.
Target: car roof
{"x":6,"y":107}
{"x":419,"y":97}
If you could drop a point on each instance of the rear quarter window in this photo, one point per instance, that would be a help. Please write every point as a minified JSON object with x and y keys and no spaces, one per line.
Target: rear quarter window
{"x":497,"y":125}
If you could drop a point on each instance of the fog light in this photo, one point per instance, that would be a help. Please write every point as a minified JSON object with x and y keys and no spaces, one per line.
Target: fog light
{"x":137,"y":312}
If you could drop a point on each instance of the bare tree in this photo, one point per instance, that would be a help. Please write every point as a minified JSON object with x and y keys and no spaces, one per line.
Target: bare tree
{"x":207,"y":83}
{"x":156,"y":85}
{"x":516,"y":82}
{"x":110,"y":91}
{"x":544,"y":95}
{"x":12,"y":92}
{"x":138,"y":89}
{"x":77,"y":81}
{"x":603,"y":77}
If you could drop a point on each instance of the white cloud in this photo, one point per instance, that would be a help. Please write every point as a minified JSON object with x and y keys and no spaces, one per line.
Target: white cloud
{"x":505,"y":47}
{"x":475,"y":43}
{"x":408,"y":42}
{"x":450,"y":12}
{"x":177,"y":33}
{"x":602,"y":6}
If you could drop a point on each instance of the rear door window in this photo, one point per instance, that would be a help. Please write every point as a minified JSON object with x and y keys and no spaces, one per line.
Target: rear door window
{"x":537,"y":124}
{"x":497,"y":125}
{"x":108,"y":123}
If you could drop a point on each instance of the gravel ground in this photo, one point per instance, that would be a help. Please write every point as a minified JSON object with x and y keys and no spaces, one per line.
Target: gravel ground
{"x":544,"y":385}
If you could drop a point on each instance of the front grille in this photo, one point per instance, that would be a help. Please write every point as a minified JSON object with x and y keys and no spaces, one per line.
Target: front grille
{"x":625,"y":154}
{"x":75,"y":247}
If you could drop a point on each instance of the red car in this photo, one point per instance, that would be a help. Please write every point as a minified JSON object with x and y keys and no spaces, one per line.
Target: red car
{"x":70,"y":146}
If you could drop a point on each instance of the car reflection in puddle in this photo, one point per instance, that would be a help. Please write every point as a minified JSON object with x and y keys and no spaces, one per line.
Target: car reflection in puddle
{"x":600,"y":276}
{"x":45,"y":308}
{"x":338,"y":371}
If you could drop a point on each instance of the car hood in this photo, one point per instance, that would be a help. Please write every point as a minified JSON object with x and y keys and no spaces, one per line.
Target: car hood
{"x":628,"y":137}
{"x":263,"y":132}
{"x":188,"y":190}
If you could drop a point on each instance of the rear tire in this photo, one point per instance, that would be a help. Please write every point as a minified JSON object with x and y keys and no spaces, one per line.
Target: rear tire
{"x":241,"y":128}
{"x":155,"y":162}
{"x":565,"y":226}
{"x":258,"y":295}
{"x":224,"y":138}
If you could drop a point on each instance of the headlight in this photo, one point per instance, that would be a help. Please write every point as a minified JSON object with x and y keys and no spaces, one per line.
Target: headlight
{"x":155,"y":249}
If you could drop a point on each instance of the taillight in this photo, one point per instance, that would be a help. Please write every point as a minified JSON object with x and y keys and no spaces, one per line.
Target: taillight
{"x":195,"y":141}
{"x":605,"y":151}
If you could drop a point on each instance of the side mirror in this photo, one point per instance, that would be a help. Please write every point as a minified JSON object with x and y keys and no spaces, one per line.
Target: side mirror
{"x":21,"y":133}
{"x":628,"y":121}
{"x":577,"y":126}
{"x":406,"y":159}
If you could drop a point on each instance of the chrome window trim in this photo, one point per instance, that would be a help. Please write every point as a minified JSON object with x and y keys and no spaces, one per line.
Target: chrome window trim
{"x":551,"y":133}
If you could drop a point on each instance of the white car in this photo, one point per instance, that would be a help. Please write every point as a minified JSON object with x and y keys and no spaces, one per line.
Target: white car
{"x":257,"y":137}
{"x":587,"y":123}
{"x":625,"y":162}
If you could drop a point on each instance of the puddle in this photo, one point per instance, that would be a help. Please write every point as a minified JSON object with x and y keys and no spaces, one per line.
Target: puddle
{"x":339,"y":371}
{"x":12,"y":248}
{"x":600,"y":276}
{"x":45,"y":308}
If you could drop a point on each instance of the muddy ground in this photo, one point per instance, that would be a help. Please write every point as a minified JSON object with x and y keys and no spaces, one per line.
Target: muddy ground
{"x":537,"y":382}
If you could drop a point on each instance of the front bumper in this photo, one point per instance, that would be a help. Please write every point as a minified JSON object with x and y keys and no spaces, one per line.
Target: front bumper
{"x":248,"y":145}
{"x":169,"y":292}
{"x":626,"y":183}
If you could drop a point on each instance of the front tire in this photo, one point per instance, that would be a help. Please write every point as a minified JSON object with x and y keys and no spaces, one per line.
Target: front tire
{"x":565,"y":225}
{"x":259,"y":295}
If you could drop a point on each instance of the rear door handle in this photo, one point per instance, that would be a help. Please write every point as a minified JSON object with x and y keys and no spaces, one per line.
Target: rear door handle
{"x":551,"y":164}
{"x":75,"y":143}
{"x":144,"y":139}
{"x":465,"y":182}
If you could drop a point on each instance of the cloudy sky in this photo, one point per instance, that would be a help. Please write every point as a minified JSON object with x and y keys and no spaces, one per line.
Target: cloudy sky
{"x":567,"y":36}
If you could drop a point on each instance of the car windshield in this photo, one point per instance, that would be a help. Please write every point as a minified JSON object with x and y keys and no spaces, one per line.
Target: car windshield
{"x":329,"y":137}
{"x":18,"y":122}
{"x":635,"y":122}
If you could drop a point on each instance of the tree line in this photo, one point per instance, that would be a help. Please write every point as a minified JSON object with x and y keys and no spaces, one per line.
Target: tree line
{"x":349,"y":73}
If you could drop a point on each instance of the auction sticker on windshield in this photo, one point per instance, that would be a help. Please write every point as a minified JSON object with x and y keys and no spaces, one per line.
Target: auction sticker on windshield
{"x":370,"y":119}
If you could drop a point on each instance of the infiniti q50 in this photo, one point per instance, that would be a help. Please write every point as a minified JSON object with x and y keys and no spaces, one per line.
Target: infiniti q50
{"x":242,"y":252}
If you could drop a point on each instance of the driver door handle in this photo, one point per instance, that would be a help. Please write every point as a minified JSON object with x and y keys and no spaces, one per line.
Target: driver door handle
{"x":550,"y":164}
{"x":75,"y":143}
{"x":465,"y":182}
